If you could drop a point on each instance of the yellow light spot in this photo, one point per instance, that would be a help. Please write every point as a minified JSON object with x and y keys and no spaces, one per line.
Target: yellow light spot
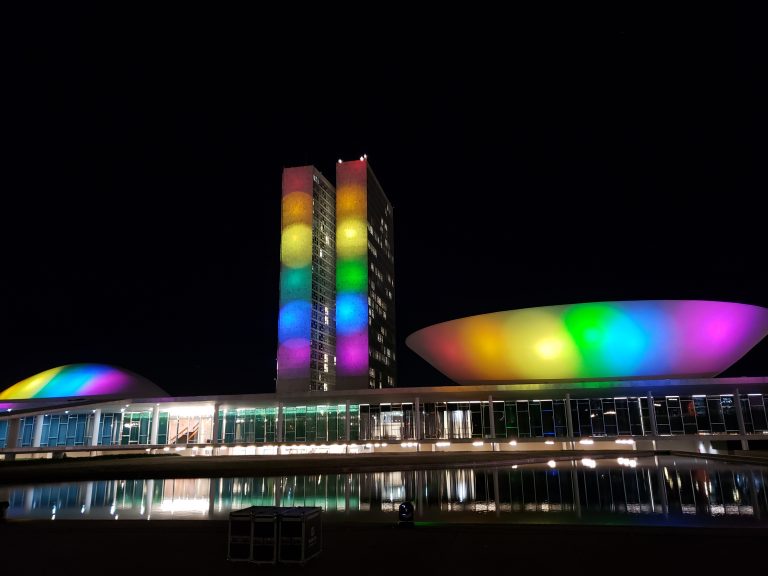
{"x":549,"y":348}
{"x":296,"y":246}
{"x":31,"y":386}
{"x":351,"y":238}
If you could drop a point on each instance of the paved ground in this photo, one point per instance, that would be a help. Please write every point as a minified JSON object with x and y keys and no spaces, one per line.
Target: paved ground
{"x":200,"y":547}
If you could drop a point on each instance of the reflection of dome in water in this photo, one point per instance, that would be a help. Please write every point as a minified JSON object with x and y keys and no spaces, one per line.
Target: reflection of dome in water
{"x":630,"y":339}
{"x":83,"y":380}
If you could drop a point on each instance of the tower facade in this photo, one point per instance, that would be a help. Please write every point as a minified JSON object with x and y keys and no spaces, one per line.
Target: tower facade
{"x":306,"y":355}
{"x":365,"y":280}
{"x":336,"y":325}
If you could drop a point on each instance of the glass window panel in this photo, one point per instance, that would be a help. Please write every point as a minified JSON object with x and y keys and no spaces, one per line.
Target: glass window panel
{"x":688,"y":412}
{"x":499,"y":419}
{"x":622,"y":416}
{"x":729,"y":413}
{"x":534,"y":412}
{"x":757,"y":409}
{"x":702,"y":414}
{"x":610,"y":417}
{"x":715,"y":414}
{"x":511,"y":419}
{"x":675,"y":415}
{"x":596,"y":417}
{"x":523,"y":419}
{"x":662,"y":416}
{"x":561,"y":422}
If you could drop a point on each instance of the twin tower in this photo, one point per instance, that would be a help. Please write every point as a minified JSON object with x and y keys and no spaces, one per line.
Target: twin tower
{"x":336,"y":325}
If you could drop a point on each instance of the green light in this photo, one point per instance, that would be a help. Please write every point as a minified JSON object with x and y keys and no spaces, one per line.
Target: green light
{"x":296,"y":283}
{"x":351,"y":276}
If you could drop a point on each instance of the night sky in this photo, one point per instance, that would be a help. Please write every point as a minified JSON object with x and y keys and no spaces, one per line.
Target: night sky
{"x":141,"y":204}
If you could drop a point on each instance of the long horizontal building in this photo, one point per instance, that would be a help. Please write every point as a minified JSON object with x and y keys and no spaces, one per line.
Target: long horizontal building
{"x":702,"y":414}
{"x":595,"y":374}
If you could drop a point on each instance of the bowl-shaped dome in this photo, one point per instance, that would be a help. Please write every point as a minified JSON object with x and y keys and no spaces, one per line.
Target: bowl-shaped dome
{"x":83,"y":380}
{"x":622,"y":340}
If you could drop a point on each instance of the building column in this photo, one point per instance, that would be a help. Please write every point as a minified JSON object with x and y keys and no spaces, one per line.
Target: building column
{"x":216,"y":425}
{"x":37,"y":432}
{"x":417,"y":420}
{"x":569,"y":419}
{"x":740,"y":419}
{"x":662,"y":490}
{"x":492,"y":423}
{"x":96,"y":427}
{"x":347,"y":424}
{"x":652,"y":416}
{"x":14,"y":427}
{"x":279,"y":423}
{"x":119,"y":439}
{"x":575,"y":483}
{"x":154,"y":425}
{"x":88,"y":500}
{"x":150,"y":496}
{"x":347,"y":490}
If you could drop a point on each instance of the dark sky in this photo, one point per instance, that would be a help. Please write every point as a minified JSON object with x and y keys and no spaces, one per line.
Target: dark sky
{"x":141,"y":204}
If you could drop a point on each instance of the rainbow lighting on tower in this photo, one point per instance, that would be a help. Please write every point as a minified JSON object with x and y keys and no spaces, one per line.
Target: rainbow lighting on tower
{"x":352,"y":269}
{"x":365,"y":323}
{"x":336,"y":326}
{"x":306,"y":331}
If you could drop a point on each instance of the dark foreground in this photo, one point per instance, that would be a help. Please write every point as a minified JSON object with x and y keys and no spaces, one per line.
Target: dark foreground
{"x":194,"y":547}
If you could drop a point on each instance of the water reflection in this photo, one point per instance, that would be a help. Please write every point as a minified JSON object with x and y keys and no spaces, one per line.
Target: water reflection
{"x":604,"y":491}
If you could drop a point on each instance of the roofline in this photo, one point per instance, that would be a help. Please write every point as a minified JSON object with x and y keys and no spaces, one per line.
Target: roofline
{"x":426,"y":394}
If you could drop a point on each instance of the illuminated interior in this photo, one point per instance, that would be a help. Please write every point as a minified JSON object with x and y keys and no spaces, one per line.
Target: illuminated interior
{"x":632,"y":339}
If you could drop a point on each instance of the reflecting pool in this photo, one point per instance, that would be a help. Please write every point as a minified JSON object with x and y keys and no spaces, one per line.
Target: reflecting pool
{"x":667,"y":490}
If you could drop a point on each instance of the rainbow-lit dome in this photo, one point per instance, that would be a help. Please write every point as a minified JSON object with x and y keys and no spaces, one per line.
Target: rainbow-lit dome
{"x":83,"y":380}
{"x":596,"y":340}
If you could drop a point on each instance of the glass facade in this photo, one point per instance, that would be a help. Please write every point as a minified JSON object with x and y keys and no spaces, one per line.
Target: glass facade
{"x":460,"y":420}
{"x":381,"y":288}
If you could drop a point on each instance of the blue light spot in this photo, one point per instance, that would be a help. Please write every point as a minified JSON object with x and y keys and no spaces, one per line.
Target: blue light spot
{"x":351,"y":313}
{"x":294,"y":321}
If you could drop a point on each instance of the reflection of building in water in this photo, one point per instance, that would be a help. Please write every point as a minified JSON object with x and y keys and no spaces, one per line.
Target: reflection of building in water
{"x":589,"y":489}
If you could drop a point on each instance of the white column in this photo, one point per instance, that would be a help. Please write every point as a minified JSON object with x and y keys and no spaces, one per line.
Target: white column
{"x":95,"y":434}
{"x":37,"y":433}
{"x":14,"y":426}
{"x":279,"y":422}
{"x":417,"y":420}
{"x":149,"y":492}
{"x":216,"y":425}
{"x":88,"y":497}
{"x":29,"y":499}
{"x":740,"y":420}
{"x":569,"y":419}
{"x":347,"y":424}
{"x":492,"y":423}
{"x":155,"y":424}
{"x":575,"y":483}
{"x":119,"y":439}
{"x":652,"y":416}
